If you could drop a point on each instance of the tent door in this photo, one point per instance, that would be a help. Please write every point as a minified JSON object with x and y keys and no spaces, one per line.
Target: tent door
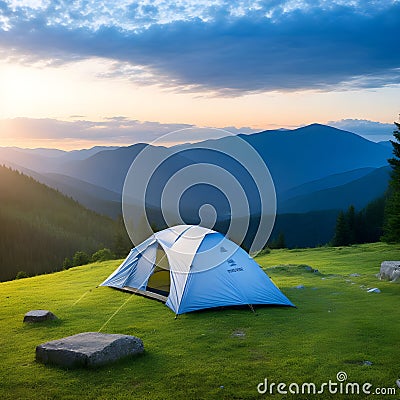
{"x":159,"y":281}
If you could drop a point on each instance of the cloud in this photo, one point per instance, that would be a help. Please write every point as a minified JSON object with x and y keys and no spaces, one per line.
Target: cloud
{"x":226,"y":47}
{"x":117,"y":130}
{"x":371,"y":130}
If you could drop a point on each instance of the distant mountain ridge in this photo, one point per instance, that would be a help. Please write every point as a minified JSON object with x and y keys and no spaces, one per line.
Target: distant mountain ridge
{"x":315,"y":168}
{"x":294,"y":157}
{"x":358,"y":193}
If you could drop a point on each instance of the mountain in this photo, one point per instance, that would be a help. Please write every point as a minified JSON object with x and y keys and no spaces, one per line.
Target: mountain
{"x":93,"y":197}
{"x":313,"y":152}
{"x":294,"y":157}
{"x":315,"y":167}
{"x":42,"y":152}
{"x":46,"y":160}
{"x":86,"y":153}
{"x":39,"y":226}
{"x":325,"y":183}
{"x":358,"y":193}
{"x":35,"y":161}
{"x":386,"y":143}
{"x":106,"y":168}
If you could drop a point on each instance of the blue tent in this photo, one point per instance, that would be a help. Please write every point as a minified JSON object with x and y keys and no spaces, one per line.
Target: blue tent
{"x":191,"y":268}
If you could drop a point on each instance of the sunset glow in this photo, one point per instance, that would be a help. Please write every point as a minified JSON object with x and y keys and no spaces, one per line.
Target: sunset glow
{"x":79,"y":77}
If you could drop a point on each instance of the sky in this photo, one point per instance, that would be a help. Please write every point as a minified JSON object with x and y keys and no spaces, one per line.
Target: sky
{"x":80,"y":73}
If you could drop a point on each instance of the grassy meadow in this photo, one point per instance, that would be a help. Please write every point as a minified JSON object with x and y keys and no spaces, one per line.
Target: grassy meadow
{"x":214,"y":354}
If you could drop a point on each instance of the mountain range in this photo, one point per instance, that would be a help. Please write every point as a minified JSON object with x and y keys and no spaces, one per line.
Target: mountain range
{"x":314,"y":168}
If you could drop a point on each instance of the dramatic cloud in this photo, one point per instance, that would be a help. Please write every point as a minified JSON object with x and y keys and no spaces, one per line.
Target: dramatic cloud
{"x":226,"y":47}
{"x":371,"y":130}
{"x":110,"y":131}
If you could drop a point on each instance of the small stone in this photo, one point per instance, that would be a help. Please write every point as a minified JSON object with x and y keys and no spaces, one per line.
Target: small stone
{"x":354,"y":275}
{"x":88,"y":349}
{"x":39,"y":316}
{"x":367,"y":363}
{"x":373,"y":290}
{"x":238,"y":334}
{"x":398,"y":383}
{"x":299,"y":287}
{"x":222,"y":387}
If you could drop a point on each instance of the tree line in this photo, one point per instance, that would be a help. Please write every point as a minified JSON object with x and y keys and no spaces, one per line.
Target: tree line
{"x":380,"y":219}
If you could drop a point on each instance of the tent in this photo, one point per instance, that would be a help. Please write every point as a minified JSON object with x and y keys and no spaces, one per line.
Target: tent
{"x":191,"y":268}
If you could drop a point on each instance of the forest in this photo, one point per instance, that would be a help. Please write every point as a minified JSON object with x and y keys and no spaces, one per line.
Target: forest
{"x":40,"y":227}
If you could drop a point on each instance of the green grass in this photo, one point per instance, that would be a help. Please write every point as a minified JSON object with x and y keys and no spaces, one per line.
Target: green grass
{"x":336,"y":327}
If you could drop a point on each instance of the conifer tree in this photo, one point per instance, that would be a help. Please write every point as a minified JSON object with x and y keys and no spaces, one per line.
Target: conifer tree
{"x":392,"y":208}
{"x":341,"y":237}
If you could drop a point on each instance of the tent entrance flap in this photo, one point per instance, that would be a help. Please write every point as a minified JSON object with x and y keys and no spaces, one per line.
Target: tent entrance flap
{"x":159,"y":280}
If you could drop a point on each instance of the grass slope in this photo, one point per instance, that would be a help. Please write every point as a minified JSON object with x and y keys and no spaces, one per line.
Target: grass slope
{"x":336,"y":327}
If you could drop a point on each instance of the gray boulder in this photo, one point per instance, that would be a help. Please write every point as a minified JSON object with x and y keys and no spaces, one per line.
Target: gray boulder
{"x":390,"y":270}
{"x":88,"y":349}
{"x":39,"y":316}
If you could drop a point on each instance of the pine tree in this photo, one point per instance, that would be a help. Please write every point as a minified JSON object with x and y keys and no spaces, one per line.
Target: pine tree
{"x":392,"y":208}
{"x":279,"y":242}
{"x":351,"y":223}
{"x":341,"y":237}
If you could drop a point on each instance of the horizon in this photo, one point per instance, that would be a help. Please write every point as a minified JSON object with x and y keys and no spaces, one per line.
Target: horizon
{"x":106,"y":146}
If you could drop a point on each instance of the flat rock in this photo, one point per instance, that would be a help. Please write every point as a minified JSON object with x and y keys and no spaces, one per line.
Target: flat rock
{"x":39,"y":316}
{"x":88,"y":349}
{"x":390,"y":270}
{"x":373,"y":290}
